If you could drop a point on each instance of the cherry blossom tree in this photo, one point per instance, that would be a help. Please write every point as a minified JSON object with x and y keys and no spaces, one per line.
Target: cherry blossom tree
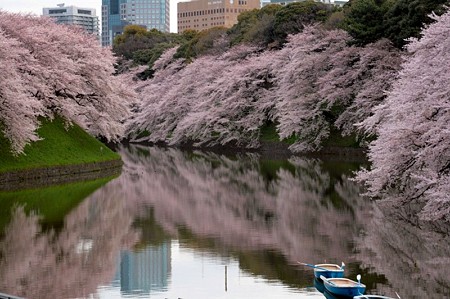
{"x":317,"y":82}
{"x":56,"y":69}
{"x":358,"y":81}
{"x":411,"y":156}
{"x":322,"y":82}
{"x":304,"y":60}
{"x":18,"y":110}
{"x":213,"y":100}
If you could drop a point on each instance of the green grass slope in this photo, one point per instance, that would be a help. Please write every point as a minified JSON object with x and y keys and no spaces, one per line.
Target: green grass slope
{"x":57,"y":147}
{"x":51,"y":203}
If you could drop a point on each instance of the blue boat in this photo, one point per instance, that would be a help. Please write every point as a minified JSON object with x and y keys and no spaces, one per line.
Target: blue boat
{"x":318,"y":284}
{"x":328,"y":295}
{"x":371,"y":297}
{"x":327,"y":270}
{"x":344,"y":286}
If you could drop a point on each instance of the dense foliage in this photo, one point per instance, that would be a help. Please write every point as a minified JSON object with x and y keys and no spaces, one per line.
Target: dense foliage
{"x":322,"y":84}
{"x":316,"y":83}
{"x":293,"y":17}
{"x":364,"y":19}
{"x":411,"y":156}
{"x":265,"y":27}
{"x":144,"y":46}
{"x":369,"y":20}
{"x":270,"y":25}
{"x":48,"y":69}
{"x":255,"y":26}
{"x":205,"y":42}
{"x":406,"y":18}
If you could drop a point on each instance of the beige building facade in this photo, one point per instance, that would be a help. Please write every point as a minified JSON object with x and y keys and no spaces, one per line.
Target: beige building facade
{"x":205,"y":14}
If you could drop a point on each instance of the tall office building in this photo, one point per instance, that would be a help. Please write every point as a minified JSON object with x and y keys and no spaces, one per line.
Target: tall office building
{"x":72,"y":15}
{"x":205,"y":14}
{"x":145,"y":271}
{"x":116,"y":14}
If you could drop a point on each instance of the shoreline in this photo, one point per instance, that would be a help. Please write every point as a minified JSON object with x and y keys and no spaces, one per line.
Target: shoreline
{"x":55,"y":175}
{"x":268,"y":149}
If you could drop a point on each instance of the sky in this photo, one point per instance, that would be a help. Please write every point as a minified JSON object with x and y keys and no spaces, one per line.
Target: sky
{"x":35,"y":7}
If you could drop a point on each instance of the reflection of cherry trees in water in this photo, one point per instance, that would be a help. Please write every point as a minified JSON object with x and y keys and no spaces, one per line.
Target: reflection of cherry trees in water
{"x":303,"y":211}
{"x":70,"y":263}
{"x":415,"y":260}
{"x":299,"y":210}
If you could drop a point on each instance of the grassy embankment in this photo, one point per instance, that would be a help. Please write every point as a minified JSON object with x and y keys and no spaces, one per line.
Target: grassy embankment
{"x":57,"y":147}
{"x":52,"y":203}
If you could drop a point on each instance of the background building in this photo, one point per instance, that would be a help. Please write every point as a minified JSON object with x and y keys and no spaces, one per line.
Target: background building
{"x":339,"y":2}
{"x":204,"y":14}
{"x":116,"y":14}
{"x":72,"y":15}
{"x":284,"y":2}
{"x":145,"y":271}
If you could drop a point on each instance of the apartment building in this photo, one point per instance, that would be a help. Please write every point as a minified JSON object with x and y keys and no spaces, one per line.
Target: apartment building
{"x":205,"y":14}
{"x":285,"y":2}
{"x":72,"y":15}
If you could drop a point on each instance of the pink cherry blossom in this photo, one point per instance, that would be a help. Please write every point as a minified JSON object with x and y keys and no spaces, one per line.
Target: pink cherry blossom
{"x":411,"y":156}
{"x":49,"y":69}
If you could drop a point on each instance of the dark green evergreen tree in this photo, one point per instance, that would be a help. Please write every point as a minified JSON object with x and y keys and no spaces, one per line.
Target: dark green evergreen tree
{"x":369,"y":20}
{"x":293,"y":17}
{"x":406,"y":18}
{"x":364,"y":19}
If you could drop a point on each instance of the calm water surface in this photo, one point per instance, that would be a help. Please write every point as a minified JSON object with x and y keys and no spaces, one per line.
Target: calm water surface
{"x":200,"y":225}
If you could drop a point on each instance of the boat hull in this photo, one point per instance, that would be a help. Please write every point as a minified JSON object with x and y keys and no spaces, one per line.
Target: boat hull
{"x":344,"y":287}
{"x":371,"y":297}
{"x":345,"y":291}
{"x":318,"y":284}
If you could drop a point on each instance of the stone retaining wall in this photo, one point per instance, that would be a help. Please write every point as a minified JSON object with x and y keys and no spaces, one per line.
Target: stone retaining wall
{"x":40,"y":177}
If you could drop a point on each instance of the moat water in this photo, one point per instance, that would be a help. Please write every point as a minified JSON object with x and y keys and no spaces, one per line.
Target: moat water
{"x":193,"y":224}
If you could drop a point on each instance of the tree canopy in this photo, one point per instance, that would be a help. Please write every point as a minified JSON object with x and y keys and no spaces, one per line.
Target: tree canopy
{"x":136,"y":38}
{"x":406,"y":18}
{"x":369,"y":20}
{"x":364,"y":20}
{"x":293,"y":17}
{"x":411,"y":155}
{"x":48,"y":69}
{"x":271,"y":24}
{"x":255,"y":26}
{"x":315,"y":83}
{"x":265,"y":27}
{"x":209,"y":41}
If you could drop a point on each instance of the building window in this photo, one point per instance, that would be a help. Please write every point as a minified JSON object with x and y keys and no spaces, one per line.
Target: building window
{"x":84,"y":12}
{"x":56,"y":11}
